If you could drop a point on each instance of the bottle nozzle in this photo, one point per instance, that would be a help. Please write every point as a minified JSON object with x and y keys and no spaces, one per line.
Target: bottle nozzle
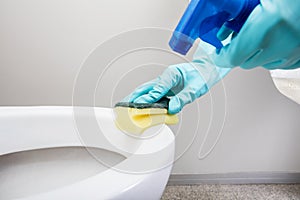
{"x":181,"y":43}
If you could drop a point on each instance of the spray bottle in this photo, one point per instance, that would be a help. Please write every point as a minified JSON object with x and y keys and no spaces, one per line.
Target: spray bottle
{"x":204,"y":18}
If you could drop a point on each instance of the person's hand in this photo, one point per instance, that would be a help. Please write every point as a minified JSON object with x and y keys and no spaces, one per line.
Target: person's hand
{"x":270,"y":38}
{"x":182,"y":82}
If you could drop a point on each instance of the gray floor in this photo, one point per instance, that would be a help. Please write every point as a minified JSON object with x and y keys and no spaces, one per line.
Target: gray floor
{"x":211,"y":192}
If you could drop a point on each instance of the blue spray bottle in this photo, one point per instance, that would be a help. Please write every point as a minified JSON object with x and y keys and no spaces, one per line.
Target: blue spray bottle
{"x":204,"y":18}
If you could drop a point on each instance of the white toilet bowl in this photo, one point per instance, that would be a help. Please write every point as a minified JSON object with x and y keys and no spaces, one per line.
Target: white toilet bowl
{"x":142,"y":174}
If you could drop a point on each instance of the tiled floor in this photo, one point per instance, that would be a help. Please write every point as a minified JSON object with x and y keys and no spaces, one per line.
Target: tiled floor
{"x":247,"y":192}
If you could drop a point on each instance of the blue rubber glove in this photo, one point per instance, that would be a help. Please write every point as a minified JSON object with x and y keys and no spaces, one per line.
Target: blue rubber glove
{"x":270,"y":38}
{"x":182,"y":82}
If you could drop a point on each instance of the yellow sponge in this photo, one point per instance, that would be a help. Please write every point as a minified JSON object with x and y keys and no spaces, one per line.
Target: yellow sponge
{"x":137,"y":120}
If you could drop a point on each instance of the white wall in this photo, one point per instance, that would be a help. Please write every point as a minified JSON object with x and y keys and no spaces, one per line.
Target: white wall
{"x":43,"y":44}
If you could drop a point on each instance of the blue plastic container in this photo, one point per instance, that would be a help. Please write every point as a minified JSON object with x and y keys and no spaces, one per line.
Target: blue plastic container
{"x":204,"y":18}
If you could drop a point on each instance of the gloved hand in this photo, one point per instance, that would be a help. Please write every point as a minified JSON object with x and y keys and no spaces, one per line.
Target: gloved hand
{"x":270,"y":38}
{"x":183,"y":82}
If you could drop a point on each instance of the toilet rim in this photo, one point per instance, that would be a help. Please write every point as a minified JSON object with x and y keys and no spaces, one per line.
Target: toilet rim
{"x":35,"y":121}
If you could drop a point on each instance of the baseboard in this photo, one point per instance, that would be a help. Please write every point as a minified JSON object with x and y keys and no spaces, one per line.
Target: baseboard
{"x":235,"y":178}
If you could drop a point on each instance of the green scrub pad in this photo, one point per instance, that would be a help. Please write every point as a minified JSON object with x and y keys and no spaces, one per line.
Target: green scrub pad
{"x":162,"y":103}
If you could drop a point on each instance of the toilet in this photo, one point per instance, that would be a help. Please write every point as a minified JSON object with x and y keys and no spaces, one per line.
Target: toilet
{"x":288,"y":83}
{"x":142,"y":173}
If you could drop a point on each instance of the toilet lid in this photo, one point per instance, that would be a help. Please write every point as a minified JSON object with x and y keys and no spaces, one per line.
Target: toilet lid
{"x":278,"y":73}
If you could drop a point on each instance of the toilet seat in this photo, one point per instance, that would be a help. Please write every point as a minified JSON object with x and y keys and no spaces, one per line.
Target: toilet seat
{"x":31,"y":128}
